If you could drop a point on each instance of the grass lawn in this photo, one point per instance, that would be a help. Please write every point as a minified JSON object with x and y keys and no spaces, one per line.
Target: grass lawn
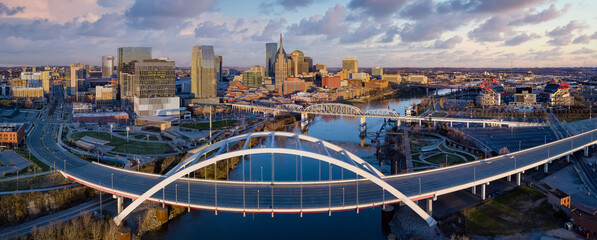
{"x":121,"y":145}
{"x":215,"y":125}
{"x":143,"y":137}
{"x":520,"y":210}
{"x":441,"y":158}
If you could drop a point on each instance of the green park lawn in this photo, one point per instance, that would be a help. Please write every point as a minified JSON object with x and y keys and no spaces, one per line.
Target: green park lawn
{"x":215,"y":125}
{"x":121,"y":145}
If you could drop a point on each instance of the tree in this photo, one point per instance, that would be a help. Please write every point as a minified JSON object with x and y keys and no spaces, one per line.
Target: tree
{"x":28,"y":104}
{"x":504,"y":151}
{"x":4,"y":103}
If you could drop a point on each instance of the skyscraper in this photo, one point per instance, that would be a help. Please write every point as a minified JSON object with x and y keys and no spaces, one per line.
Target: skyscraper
{"x":350,"y":65}
{"x":297,"y":58}
{"x":154,"y":88}
{"x":282,"y":67}
{"x":218,"y":66}
{"x":77,"y":71}
{"x":126,"y":55}
{"x":270,"y":58}
{"x":107,"y":66}
{"x":203,"y":74}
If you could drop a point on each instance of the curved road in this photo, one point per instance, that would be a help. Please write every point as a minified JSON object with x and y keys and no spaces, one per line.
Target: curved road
{"x":295,"y":196}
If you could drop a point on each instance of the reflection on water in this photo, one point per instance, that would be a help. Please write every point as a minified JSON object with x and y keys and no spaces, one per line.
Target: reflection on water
{"x":342,"y":131}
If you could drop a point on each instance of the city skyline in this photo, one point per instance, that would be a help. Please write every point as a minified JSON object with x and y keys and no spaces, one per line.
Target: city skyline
{"x":429,"y":33}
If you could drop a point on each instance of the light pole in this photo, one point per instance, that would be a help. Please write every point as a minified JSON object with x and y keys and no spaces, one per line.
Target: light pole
{"x":127,"y":134}
{"x":514,"y":157}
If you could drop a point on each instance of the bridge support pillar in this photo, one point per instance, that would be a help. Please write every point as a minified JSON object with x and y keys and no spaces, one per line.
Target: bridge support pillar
{"x":518,"y":179}
{"x":483,"y":191}
{"x":119,"y":201}
{"x":509,"y":178}
{"x":567,"y":158}
{"x":430,"y":206}
{"x":467,"y":123}
{"x":419,"y":122}
{"x":483,"y":125}
{"x":546,"y":167}
{"x":363,"y":125}
{"x":450,"y":123}
{"x":474,"y":190}
{"x":537,"y":168}
{"x":398,"y":122}
{"x":586,"y":151}
{"x":304,"y":121}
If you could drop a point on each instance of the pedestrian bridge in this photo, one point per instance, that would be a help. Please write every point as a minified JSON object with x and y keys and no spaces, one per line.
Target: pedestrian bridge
{"x":368,"y":189}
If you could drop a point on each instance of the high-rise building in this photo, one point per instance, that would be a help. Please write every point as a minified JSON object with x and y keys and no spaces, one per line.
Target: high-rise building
{"x":270,"y":58}
{"x":297,"y":58}
{"x":319,"y":67}
{"x":309,"y":62}
{"x":377,"y":72}
{"x":203,"y":73}
{"x":218,"y":66}
{"x":77,"y":72}
{"x":154,"y":78}
{"x":350,"y":65}
{"x":283,"y":67}
{"x":127,"y":55}
{"x":252,"y":79}
{"x":154,"y":88}
{"x":107,"y":66}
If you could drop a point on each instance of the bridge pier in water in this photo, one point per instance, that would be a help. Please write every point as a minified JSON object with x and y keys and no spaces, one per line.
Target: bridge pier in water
{"x":304,"y":121}
{"x":363,"y":126}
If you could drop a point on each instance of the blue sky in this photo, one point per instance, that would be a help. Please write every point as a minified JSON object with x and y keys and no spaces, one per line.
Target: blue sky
{"x":386,"y":33}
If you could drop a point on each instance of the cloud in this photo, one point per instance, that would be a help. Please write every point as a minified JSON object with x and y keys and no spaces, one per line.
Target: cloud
{"x":481,"y":6}
{"x":106,"y":26}
{"x":36,"y":29}
{"x":271,"y":29}
{"x":365,"y":31}
{"x":162,"y":14}
{"x":209,"y":29}
{"x":562,"y":35}
{"x":10,"y":11}
{"x":491,"y":30}
{"x":377,"y":8}
{"x":388,"y":37}
{"x":543,"y":16}
{"x":583,"y":51}
{"x":418,"y":9}
{"x":520,"y":38}
{"x":109,"y":3}
{"x":332,"y":24}
{"x":594,"y":36}
{"x":447,"y":44}
{"x":294,"y":4}
{"x":583,"y":39}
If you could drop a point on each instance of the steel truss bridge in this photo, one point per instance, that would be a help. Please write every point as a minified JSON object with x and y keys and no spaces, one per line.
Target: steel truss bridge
{"x":338,"y":109}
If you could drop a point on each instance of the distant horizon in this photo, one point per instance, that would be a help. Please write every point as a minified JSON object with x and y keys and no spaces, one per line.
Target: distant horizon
{"x":384,"y":33}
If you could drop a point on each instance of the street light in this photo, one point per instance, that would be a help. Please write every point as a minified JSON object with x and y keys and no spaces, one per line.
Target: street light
{"x":127,"y":134}
{"x":514,"y":157}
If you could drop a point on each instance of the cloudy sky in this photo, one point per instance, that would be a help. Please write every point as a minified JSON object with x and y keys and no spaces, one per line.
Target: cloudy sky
{"x":386,"y":33}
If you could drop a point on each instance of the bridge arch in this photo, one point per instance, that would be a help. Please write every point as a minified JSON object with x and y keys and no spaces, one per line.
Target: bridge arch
{"x":290,"y":107}
{"x":334,"y":108}
{"x":383,"y":112}
{"x":181,"y":172}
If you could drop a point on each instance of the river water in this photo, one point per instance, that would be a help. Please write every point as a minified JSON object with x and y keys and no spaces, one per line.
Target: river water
{"x":342,"y":131}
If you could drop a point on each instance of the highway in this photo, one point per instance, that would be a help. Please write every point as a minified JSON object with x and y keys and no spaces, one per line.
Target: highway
{"x":65,"y":215}
{"x":295,"y":197}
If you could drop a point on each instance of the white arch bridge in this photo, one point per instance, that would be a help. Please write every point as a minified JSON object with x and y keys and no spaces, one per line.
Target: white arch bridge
{"x":339,"y":109}
{"x":300,"y":196}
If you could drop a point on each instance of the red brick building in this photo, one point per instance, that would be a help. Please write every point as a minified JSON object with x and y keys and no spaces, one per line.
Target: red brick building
{"x":11,"y":133}
{"x":292,"y":85}
{"x":331,"y":82}
{"x":106,"y":117}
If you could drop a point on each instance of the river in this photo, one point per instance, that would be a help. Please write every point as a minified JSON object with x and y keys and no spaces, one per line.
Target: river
{"x":340,"y":225}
